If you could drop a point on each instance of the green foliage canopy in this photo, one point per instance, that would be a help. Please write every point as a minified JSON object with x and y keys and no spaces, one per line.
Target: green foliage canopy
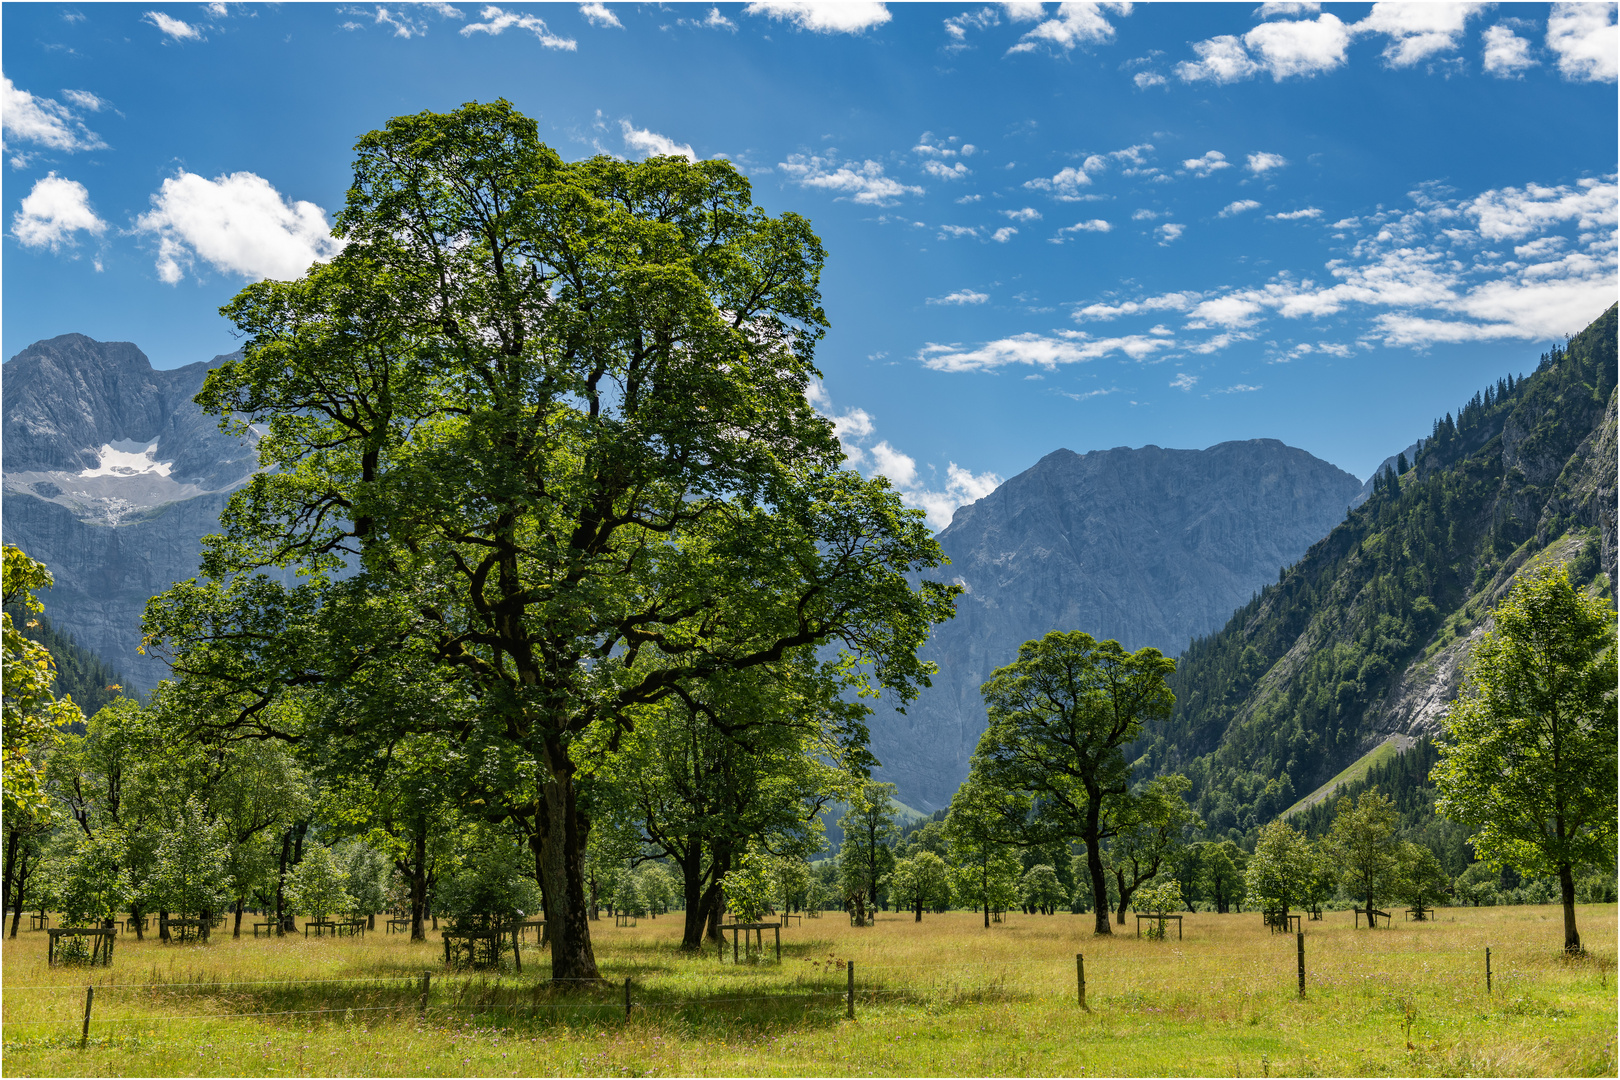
{"x":1528,"y":756}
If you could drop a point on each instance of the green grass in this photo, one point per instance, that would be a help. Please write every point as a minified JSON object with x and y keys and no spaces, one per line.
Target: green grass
{"x":943,"y":997}
{"x":1384,"y":751}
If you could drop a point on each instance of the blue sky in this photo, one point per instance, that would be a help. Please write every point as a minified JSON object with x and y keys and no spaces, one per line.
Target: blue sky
{"x":1077,"y":225}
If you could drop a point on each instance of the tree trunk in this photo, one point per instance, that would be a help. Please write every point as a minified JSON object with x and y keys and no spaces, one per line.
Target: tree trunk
{"x":237,"y":932}
{"x":12,"y":842}
{"x":572,"y":959}
{"x":163,"y":924}
{"x":1566,"y":885}
{"x":281,"y":884}
{"x":419,"y":881}
{"x":697,"y":910}
{"x":1094,"y":866}
{"x":21,"y":886}
{"x":919,"y":909}
{"x":537,"y":847}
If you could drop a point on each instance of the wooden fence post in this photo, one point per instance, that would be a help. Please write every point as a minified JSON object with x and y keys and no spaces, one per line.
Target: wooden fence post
{"x":851,"y":995}
{"x":1487,"y":969}
{"x":1300,"y":938}
{"x":89,"y":997}
{"x":427,"y":981}
{"x":778,"y":945}
{"x":1080,"y":977}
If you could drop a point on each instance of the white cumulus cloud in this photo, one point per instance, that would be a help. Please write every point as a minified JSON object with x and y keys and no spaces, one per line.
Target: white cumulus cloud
{"x":497,"y":22}
{"x":961,"y":296}
{"x":651,"y":144}
{"x":171,"y":28}
{"x":863,"y":183}
{"x":600,"y":15}
{"x":1170,"y":232}
{"x":42,"y":121}
{"x":1004,"y":234}
{"x":1302,"y":47}
{"x":1097,"y":225}
{"x":52,"y":212}
{"x":1506,"y":53}
{"x":1417,"y":31}
{"x":824,"y":16}
{"x":942,"y":171}
{"x":1232,"y":209}
{"x":1298,"y":215}
{"x":1212,"y":161}
{"x":938,"y":501}
{"x":1585,"y":39}
{"x":1184,"y":381}
{"x":1044,"y":351}
{"x":1262,"y":163}
{"x":1028,"y":213}
{"x":1076,"y":24}
{"x":1065,"y":185}
{"x":237,"y":223}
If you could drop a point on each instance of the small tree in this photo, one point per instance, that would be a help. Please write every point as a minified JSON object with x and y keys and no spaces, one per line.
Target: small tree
{"x":1322,"y":883}
{"x":89,"y":884}
{"x":1422,"y":880}
{"x":191,"y":876}
{"x":1279,"y":871}
{"x":1159,"y":898}
{"x":492,"y":886}
{"x":1041,"y":890}
{"x":983,"y":865}
{"x":1364,"y":846}
{"x":657,"y":888}
{"x":867,"y":854}
{"x":1527,"y":760}
{"x":792,"y":881}
{"x":1222,"y":868}
{"x":1149,"y":826}
{"x":1003,"y":892}
{"x":921,"y":880}
{"x":751,"y":888}
{"x":367,"y":872}
{"x":1477,"y":885}
{"x":29,"y":712}
{"x":317,"y":886}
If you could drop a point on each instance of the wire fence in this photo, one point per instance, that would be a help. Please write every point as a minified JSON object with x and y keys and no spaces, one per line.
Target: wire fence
{"x":1110,"y":976}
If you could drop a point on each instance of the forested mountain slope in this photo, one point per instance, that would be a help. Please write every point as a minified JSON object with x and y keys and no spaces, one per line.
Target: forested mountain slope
{"x":1367,"y":634}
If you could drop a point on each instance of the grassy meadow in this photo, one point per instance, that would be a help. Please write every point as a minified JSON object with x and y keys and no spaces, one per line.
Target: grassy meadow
{"x":944,"y":997}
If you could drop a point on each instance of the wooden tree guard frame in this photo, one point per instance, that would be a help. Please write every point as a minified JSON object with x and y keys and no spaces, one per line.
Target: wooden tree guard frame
{"x":1159,"y":917}
{"x":100,"y":949}
{"x":483,"y":947}
{"x":167,"y":928}
{"x":1281,"y":922}
{"x":742,"y":928}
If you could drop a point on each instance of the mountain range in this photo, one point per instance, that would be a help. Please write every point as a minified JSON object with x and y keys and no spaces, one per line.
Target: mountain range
{"x":111,"y":477}
{"x":1148,"y":546}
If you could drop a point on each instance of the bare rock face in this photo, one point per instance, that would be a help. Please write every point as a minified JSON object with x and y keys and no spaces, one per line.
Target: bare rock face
{"x":112,"y":476}
{"x":1148,"y":546}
